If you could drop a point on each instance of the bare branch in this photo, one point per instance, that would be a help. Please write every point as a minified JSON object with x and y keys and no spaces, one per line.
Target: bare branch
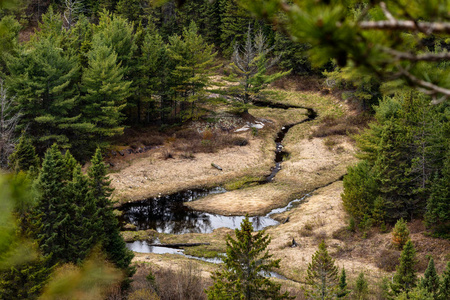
{"x":432,"y":89}
{"x":387,"y":13}
{"x":428,"y":27}
{"x":418,"y":57}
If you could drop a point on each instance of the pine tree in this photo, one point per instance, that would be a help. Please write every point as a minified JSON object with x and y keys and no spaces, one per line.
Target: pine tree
{"x":430,"y":281}
{"x":245,"y":266}
{"x":105,"y":94}
{"x":153,"y":67}
{"x":24,"y":157}
{"x":249,"y":67}
{"x":44,"y":77}
{"x":322,"y":275}
{"x":342,"y":290}
{"x":108,"y":227}
{"x":193,"y":61}
{"x":362,"y":288}
{"x":405,"y":277}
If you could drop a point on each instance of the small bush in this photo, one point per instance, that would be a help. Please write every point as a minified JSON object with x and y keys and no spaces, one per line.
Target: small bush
{"x":184,"y":284}
{"x":388,"y":260}
{"x":166,"y":154}
{"x":400,"y":234}
{"x":239,"y":141}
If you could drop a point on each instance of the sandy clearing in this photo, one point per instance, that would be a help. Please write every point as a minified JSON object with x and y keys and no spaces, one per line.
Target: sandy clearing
{"x":150,"y":176}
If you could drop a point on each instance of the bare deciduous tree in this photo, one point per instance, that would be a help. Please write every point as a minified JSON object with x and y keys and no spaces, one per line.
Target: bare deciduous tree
{"x":8,"y":122}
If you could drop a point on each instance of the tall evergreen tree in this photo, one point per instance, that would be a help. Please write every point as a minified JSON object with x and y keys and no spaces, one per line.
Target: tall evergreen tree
{"x":437,"y":214}
{"x":249,"y":66}
{"x":193,"y":61}
{"x":108,"y":227}
{"x":44,"y":78}
{"x":322,"y":275}
{"x":245,"y":266}
{"x":430,"y":281}
{"x":54,"y":211}
{"x":105,"y":94}
{"x":234,"y":21}
{"x":405,"y":277}
{"x":153,"y":67}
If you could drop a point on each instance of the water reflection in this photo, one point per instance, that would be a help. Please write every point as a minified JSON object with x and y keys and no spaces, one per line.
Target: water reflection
{"x":167,"y":214}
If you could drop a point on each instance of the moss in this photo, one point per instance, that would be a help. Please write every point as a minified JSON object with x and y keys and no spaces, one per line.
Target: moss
{"x":242,"y":182}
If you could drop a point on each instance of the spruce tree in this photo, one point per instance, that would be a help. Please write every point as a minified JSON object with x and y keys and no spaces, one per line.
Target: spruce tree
{"x":437,"y":214}
{"x":107,"y":227}
{"x":430,"y":281}
{"x":24,"y":157}
{"x":86,"y":231}
{"x":234,"y":21}
{"x":322,"y":275}
{"x":405,"y":277}
{"x":361,"y":291}
{"x":246,"y":263}
{"x":54,"y":212}
{"x":342,"y":288}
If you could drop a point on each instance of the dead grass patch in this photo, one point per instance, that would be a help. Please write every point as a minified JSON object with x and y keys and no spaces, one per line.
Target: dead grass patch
{"x":331,"y":125}
{"x":388,"y":260}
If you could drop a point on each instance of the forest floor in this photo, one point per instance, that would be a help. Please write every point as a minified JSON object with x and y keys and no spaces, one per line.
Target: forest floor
{"x":319,"y":153}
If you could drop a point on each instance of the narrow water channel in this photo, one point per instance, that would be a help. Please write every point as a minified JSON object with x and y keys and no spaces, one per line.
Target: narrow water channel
{"x":168,"y":214}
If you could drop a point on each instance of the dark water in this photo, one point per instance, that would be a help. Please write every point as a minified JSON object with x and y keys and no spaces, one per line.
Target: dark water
{"x":167,"y":214}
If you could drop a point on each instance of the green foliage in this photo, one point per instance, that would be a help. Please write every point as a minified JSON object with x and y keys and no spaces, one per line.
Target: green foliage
{"x":400,"y":152}
{"x":361,"y":291}
{"x":343,"y":292}
{"x":9,"y":35}
{"x":107,"y":229}
{"x":105,"y":94}
{"x":444,"y":290}
{"x":43,"y":77}
{"x":400,"y":234}
{"x":360,"y":191}
{"x":245,"y":266}
{"x":367,"y":36}
{"x":430,"y":281}
{"x":405,"y":277}
{"x":322,"y":275}
{"x":437,"y":214}
{"x":193,"y":62}
{"x":24,"y":157}
{"x":249,"y":67}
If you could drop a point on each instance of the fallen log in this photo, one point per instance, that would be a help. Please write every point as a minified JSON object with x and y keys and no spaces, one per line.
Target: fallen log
{"x":216,"y":166}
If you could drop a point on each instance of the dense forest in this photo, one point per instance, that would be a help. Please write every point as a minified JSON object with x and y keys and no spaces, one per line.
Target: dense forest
{"x":76,"y":75}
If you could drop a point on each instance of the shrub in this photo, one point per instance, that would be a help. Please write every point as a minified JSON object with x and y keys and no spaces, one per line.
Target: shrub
{"x":400,"y":234}
{"x":388,"y":260}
